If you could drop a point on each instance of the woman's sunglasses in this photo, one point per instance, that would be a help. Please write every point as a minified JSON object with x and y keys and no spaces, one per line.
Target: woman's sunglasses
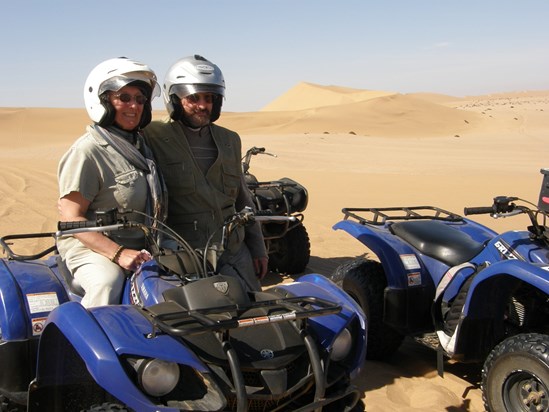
{"x":127,"y":98}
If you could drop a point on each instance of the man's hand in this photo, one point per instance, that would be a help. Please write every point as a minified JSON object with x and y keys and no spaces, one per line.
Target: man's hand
{"x":261,"y":265}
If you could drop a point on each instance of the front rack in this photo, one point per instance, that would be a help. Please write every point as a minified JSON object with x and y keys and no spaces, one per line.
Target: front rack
{"x":380,"y":215}
{"x":173,"y":319}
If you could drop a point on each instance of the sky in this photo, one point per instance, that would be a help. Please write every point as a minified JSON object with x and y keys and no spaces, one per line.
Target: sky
{"x":266,"y":47}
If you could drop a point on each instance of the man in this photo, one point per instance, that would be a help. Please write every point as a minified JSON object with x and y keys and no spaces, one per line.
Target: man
{"x":201,"y":164}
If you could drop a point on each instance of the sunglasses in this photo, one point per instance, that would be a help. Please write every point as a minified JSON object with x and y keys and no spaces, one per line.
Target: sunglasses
{"x":195,"y":98}
{"x":127,"y":98}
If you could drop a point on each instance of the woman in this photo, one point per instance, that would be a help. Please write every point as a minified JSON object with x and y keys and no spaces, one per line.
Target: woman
{"x":110,"y":167}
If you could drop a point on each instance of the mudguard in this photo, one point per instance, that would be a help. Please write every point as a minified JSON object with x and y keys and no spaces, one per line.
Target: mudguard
{"x":100,"y":336}
{"x":328,"y":327}
{"x":29,"y":291}
{"x":535,"y":275}
{"x":387,"y":247}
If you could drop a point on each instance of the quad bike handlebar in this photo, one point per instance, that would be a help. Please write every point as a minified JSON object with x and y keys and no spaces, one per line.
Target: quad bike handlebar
{"x":253,"y":151}
{"x":113,"y":220}
{"x":501,"y":205}
{"x":505,"y":206}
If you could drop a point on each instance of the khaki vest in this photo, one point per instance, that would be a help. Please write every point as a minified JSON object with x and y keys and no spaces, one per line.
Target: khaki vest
{"x":197,"y":204}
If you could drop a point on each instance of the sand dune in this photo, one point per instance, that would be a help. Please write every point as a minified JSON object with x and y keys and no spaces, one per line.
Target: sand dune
{"x":308,"y":96}
{"x":390,"y":115}
{"x":350,"y":148}
{"x":326,"y":110}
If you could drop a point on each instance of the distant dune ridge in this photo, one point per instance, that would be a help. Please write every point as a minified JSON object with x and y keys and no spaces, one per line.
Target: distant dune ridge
{"x":349,"y":148}
{"x":310,"y":108}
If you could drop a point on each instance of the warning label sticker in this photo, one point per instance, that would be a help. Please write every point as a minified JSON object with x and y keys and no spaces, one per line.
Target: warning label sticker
{"x":38,"y":326}
{"x":42,"y":302}
{"x":410,"y":262}
{"x":414,"y":279}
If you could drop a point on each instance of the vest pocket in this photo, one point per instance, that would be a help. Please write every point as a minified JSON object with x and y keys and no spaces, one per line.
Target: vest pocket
{"x":195,"y":228}
{"x":231,"y":181}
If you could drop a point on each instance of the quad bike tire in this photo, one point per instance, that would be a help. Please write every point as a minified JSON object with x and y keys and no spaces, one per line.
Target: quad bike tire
{"x":364,"y":280}
{"x":515,"y":376}
{"x":291,"y":252}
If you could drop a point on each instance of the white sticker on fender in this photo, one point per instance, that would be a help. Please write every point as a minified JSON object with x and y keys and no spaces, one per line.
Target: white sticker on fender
{"x":42,"y":302}
{"x":410,"y":262}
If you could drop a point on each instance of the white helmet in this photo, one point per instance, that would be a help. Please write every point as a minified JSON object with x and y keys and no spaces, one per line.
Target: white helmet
{"x":190,"y":75}
{"x":112,"y":75}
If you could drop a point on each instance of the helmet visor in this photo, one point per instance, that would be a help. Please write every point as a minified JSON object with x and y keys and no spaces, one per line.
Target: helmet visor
{"x":116,"y":83}
{"x":184,"y":90}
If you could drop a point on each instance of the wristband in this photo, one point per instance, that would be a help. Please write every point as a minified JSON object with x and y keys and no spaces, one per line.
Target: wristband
{"x":117,"y":254}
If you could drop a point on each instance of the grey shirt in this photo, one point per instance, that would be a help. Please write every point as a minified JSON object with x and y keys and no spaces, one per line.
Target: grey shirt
{"x":105,"y":178}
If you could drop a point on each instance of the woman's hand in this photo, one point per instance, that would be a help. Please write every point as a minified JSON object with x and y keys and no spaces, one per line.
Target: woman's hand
{"x":131,"y":259}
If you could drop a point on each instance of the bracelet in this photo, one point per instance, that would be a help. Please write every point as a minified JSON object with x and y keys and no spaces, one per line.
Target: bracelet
{"x":117,"y":254}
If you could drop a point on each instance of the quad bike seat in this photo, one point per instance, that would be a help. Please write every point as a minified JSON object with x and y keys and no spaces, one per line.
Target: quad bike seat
{"x":438,"y":240}
{"x":72,"y":283}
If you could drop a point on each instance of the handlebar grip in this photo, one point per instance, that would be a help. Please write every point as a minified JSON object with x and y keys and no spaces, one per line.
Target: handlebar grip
{"x":80,"y":224}
{"x":482,"y":210}
{"x":265,"y":212}
{"x":256,"y":150}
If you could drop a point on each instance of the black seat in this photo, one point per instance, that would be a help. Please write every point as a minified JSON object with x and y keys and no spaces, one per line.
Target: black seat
{"x":438,"y":240}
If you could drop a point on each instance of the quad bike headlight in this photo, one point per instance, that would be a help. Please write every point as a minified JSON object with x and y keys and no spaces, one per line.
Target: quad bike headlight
{"x":157,"y":377}
{"x":342,"y":346}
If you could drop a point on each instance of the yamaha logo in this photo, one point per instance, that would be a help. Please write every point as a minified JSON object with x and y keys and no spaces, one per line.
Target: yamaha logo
{"x":134,"y":294}
{"x":222,"y":287}
{"x":267,"y":354}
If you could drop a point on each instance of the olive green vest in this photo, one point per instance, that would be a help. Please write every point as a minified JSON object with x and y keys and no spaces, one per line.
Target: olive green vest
{"x":197,"y":204}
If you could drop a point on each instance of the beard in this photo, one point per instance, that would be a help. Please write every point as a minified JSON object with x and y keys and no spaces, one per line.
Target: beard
{"x":197,"y":118}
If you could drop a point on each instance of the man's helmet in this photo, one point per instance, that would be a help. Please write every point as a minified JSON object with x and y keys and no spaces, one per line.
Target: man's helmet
{"x":112,"y":75}
{"x":190,"y":75}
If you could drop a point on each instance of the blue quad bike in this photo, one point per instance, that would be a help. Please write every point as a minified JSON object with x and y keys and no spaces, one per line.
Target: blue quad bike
{"x":184,"y":338}
{"x":473,"y":294}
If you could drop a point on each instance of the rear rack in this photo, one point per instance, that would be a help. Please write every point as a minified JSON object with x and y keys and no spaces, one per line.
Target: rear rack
{"x":380,"y":215}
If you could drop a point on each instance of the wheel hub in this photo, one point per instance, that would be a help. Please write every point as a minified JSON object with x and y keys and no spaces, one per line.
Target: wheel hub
{"x":527,"y":393}
{"x":534,"y":396}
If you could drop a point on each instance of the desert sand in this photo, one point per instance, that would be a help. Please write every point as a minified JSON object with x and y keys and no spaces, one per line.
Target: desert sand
{"x":349,"y":148}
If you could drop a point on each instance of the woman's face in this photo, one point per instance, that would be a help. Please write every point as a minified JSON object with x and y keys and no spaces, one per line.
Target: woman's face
{"x":128,"y":103}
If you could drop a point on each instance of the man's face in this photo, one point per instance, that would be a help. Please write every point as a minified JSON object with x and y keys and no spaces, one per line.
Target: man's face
{"x":197,"y":108}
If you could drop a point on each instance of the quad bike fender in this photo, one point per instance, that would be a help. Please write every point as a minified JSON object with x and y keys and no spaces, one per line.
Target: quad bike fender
{"x":329,"y":327}
{"x":322,"y":287}
{"x":476,"y":323}
{"x":495,"y":276}
{"x":29,"y":290}
{"x":100,"y":336}
{"x":391,"y":251}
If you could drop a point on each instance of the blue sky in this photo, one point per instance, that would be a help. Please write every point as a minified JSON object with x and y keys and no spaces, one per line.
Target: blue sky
{"x":266,"y":47}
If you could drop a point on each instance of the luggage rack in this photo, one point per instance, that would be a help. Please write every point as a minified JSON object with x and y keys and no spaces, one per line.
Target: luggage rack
{"x":380,"y":215}
{"x":173,"y":319}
